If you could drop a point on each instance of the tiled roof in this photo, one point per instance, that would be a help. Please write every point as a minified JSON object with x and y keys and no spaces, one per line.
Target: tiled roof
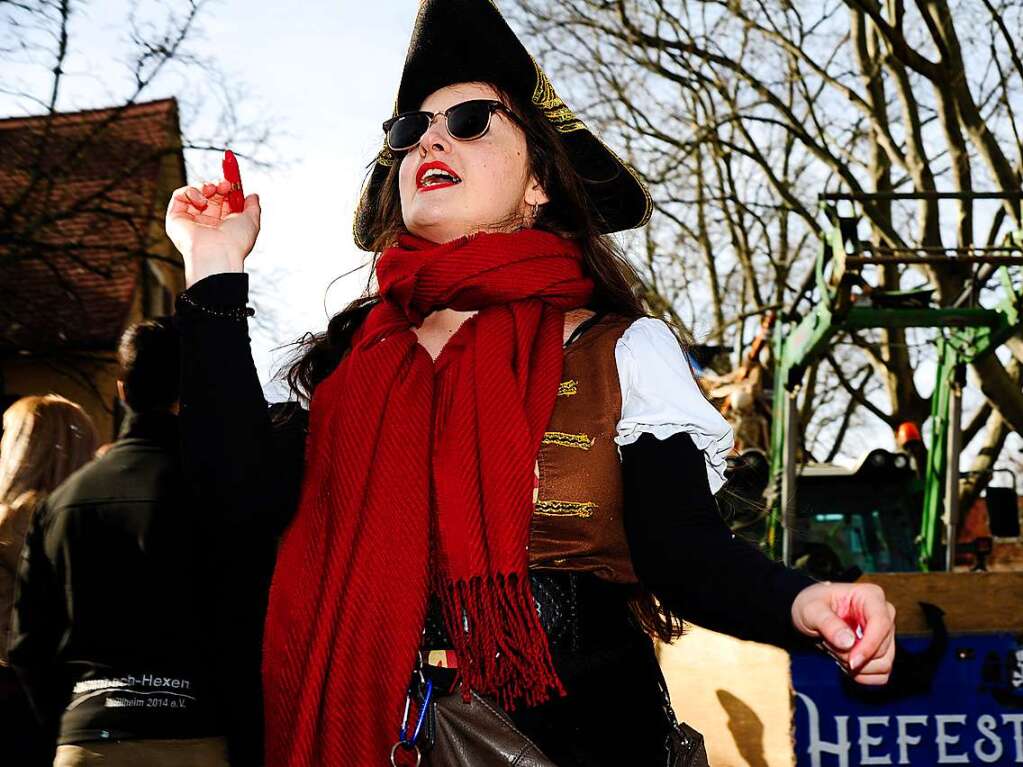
{"x":70,"y":247}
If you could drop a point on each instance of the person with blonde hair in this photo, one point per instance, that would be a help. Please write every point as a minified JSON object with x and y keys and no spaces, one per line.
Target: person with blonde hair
{"x":45,"y":439}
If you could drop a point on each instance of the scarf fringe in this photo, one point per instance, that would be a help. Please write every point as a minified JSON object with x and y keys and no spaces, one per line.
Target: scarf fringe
{"x":501,"y":645}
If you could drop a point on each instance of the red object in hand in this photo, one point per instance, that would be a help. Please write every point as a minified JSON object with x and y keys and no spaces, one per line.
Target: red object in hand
{"x":236,"y":195}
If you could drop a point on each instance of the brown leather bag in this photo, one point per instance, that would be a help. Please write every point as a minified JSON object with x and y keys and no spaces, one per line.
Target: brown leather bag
{"x":453,"y":732}
{"x":478,"y":733}
{"x":461,"y":734}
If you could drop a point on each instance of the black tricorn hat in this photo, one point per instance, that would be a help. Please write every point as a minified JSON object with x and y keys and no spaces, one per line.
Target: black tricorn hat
{"x":469,"y":41}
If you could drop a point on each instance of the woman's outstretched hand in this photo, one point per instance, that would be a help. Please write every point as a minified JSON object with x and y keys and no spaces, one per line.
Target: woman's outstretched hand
{"x":855,"y":623}
{"x":211,"y":238}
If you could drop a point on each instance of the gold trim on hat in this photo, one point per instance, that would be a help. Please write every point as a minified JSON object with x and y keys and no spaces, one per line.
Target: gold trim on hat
{"x":550,"y":103}
{"x":565,"y":121}
{"x":648,"y":206}
{"x":385,"y":157}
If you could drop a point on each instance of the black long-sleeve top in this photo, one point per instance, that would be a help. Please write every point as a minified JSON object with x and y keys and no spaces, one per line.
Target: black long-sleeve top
{"x":685,"y":554}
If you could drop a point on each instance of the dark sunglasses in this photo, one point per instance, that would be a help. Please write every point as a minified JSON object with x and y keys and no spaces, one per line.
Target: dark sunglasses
{"x":465,"y":122}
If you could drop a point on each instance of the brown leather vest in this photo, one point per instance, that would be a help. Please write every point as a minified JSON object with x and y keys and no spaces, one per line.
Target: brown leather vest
{"x":577,"y":516}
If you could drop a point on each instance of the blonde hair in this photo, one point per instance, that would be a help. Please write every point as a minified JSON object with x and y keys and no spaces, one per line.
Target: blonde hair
{"x":46,"y":438}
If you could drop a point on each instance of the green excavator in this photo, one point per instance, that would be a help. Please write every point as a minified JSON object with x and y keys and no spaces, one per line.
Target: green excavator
{"x":894,"y":512}
{"x":956,"y":692}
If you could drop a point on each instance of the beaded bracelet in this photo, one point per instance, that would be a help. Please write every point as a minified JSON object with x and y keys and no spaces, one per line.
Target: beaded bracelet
{"x":239,"y":313}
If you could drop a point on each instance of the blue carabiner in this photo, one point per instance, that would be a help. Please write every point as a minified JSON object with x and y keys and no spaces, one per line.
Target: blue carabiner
{"x":403,"y":735}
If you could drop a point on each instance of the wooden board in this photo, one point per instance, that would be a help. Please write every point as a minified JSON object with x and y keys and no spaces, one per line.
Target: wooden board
{"x":973,"y":602}
{"x":738,"y":694}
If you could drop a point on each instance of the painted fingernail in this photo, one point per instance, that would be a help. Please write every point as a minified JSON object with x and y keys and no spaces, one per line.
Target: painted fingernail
{"x":846,"y":639}
{"x":855,"y":661}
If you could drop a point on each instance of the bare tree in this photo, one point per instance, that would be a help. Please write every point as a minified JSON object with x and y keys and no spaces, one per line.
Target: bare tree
{"x":39,"y":34}
{"x":738,"y":113}
{"x":52,"y":226}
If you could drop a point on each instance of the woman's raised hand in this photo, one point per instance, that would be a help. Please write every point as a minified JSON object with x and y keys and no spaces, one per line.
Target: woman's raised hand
{"x":211,"y":238}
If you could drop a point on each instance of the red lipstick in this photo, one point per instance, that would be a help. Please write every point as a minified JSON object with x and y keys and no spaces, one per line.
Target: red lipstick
{"x":438,"y":182}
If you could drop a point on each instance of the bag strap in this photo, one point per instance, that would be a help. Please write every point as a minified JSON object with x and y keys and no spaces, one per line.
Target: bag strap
{"x":684,"y":743}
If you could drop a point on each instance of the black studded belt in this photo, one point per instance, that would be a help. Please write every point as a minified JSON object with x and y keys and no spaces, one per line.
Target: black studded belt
{"x":579,"y":612}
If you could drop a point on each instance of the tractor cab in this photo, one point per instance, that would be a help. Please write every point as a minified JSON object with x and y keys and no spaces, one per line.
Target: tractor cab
{"x":863,"y":519}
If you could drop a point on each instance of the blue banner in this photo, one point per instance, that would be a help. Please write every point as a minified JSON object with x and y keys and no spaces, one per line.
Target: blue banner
{"x":958,"y":701}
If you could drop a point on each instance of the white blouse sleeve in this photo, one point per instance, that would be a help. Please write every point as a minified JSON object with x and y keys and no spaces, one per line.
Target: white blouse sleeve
{"x":661,"y":397}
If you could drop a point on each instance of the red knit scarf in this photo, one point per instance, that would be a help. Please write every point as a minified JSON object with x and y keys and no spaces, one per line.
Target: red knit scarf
{"x":419,"y":477}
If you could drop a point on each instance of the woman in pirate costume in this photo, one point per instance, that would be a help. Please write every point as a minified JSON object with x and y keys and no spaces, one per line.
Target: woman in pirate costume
{"x":505,"y":460}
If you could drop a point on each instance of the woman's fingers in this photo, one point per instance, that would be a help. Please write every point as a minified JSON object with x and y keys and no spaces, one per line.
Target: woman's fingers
{"x":201,"y":199}
{"x":878,"y":670}
{"x":185,"y":201}
{"x":833,"y":630}
{"x":877,"y":625}
{"x":222,"y":187}
{"x":875,"y":671}
{"x":191,"y":204}
{"x":875,"y":667}
{"x":208,"y":207}
{"x":879,"y":663}
{"x":873,"y":680}
{"x":197,"y":198}
{"x":209,"y":201}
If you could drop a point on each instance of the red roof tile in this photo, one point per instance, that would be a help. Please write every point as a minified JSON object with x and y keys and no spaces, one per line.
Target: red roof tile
{"x":70,"y":247}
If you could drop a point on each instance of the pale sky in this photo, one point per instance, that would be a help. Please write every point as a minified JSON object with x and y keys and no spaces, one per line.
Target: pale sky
{"x":329,"y":71}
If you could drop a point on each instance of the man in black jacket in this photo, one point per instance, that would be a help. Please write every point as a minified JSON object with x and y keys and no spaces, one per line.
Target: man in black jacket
{"x":112,"y":632}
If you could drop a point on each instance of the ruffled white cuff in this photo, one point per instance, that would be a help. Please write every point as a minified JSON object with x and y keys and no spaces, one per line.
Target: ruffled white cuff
{"x":660,"y":396}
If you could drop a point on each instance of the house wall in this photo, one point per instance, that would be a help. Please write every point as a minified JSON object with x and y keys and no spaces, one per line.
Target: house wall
{"x":90,"y":380}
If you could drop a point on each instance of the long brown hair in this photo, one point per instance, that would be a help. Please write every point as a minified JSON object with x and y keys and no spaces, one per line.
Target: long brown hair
{"x":46,"y":438}
{"x":568,"y":214}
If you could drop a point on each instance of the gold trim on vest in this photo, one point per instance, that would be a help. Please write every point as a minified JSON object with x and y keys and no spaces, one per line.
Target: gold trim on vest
{"x":568,"y":388}
{"x":580,"y":441}
{"x":582,"y":509}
